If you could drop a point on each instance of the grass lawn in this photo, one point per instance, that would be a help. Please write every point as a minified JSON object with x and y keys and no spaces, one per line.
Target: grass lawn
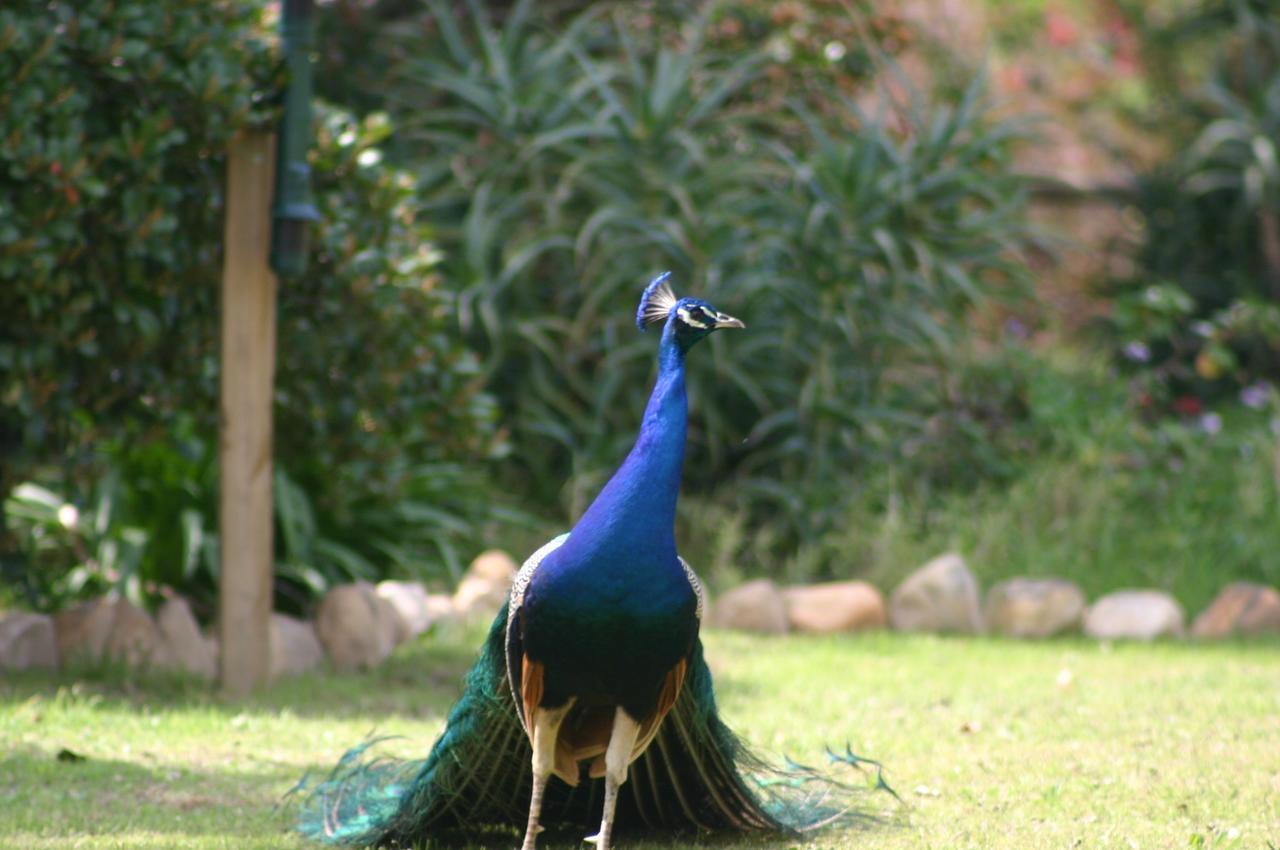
{"x":990,"y":743}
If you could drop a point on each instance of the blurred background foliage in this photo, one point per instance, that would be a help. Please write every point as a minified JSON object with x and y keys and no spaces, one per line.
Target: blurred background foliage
{"x":459,"y":369}
{"x":1201,"y":319}
{"x":555,"y":163}
{"x":110,"y":256}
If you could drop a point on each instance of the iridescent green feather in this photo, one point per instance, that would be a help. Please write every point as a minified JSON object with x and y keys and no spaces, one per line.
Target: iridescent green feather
{"x":696,"y":776}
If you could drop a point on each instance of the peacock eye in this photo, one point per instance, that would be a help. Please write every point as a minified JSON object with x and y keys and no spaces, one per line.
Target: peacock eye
{"x":695,"y":316}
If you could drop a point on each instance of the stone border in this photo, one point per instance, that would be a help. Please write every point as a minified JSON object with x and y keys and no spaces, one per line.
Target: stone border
{"x":943,"y":597}
{"x":357,"y":626}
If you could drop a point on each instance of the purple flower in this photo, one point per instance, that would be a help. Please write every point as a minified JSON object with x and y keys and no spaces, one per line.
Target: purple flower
{"x":1254,"y":396}
{"x":1137,"y":352}
{"x":1015,"y":327}
{"x":1211,"y":423}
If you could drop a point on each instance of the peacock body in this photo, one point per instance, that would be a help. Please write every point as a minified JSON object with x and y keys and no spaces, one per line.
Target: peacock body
{"x":592,"y":673}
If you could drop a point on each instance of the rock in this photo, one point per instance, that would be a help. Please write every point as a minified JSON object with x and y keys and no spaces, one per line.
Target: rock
{"x":756,"y":606}
{"x":1242,"y":608}
{"x":111,"y":628}
{"x":136,"y":639}
{"x":82,"y":630}
{"x":409,"y":599}
{"x":397,"y":628}
{"x":839,"y":606}
{"x":27,"y":641}
{"x":1137,"y":614}
{"x":495,"y":565}
{"x":295,"y":648}
{"x":1034,"y":607}
{"x":357,"y":627}
{"x":941,"y":596}
{"x":485,"y":585}
{"x":187,"y":647}
{"x":417,"y":609}
{"x":440,"y":608}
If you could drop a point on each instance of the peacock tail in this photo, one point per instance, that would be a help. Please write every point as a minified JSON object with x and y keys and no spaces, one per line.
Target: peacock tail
{"x":696,"y":776}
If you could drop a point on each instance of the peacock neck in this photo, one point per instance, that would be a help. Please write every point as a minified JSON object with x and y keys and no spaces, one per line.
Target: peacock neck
{"x":633,"y":517}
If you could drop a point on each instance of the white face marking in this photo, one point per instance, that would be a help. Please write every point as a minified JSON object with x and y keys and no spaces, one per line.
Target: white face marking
{"x":683,"y":313}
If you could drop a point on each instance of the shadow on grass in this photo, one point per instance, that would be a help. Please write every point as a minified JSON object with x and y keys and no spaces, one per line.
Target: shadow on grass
{"x":420,"y":680}
{"x":43,"y":795}
{"x":48,"y":793}
{"x":423,"y":678}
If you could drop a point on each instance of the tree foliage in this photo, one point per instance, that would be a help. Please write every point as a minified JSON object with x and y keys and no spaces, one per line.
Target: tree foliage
{"x":117,"y":115}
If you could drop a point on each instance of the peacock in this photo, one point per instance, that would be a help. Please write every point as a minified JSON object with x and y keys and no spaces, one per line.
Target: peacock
{"x":591,"y":675}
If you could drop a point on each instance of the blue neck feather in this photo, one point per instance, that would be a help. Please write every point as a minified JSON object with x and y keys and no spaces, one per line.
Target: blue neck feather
{"x":632,"y":522}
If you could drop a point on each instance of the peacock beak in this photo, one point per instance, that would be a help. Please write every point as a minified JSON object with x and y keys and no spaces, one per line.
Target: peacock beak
{"x":724,"y":321}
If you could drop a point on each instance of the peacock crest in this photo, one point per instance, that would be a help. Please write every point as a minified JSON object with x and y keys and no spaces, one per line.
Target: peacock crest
{"x":657,"y":301}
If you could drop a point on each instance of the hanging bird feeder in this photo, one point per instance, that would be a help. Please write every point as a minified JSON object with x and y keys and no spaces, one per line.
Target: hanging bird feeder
{"x":293,"y":208}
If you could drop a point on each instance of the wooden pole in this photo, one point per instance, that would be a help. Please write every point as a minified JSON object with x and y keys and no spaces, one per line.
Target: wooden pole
{"x":248,"y":369}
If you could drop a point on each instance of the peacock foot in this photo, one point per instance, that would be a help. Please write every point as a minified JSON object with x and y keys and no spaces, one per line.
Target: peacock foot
{"x":531,"y":838}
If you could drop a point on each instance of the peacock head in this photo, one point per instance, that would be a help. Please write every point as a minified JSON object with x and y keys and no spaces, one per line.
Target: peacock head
{"x":688,"y":319}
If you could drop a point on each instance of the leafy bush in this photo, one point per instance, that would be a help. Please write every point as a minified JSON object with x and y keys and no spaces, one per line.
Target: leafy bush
{"x":110,"y":221}
{"x":149,"y":521}
{"x":110,"y":242}
{"x":1201,"y":321}
{"x":1103,"y":499}
{"x":563,"y":166}
{"x":382,"y":421}
{"x":1186,"y":506}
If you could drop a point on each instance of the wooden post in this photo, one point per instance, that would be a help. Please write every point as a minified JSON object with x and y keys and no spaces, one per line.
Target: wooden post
{"x":248,"y":370}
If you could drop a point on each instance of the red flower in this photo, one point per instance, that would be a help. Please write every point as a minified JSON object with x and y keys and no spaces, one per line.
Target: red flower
{"x":1060,"y":30}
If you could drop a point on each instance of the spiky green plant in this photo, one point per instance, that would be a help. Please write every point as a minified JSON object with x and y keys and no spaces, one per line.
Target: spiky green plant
{"x":561,"y":163}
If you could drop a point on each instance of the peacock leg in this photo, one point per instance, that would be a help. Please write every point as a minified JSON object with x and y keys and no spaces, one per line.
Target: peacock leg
{"x":546,"y":726}
{"x":622,"y":742}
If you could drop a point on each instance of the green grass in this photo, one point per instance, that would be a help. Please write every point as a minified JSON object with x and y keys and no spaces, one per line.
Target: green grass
{"x":990,"y":743}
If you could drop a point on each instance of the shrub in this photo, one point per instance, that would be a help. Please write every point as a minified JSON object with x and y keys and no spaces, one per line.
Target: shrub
{"x":109,"y":271}
{"x":1201,"y":320}
{"x":110,"y":218}
{"x":1186,"y":506}
{"x":109,"y":227}
{"x":562,"y":166}
{"x":1103,"y":499}
{"x":147,"y":521}
{"x":381,"y":415}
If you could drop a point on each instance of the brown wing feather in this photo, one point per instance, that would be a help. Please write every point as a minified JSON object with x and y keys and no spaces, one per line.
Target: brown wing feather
{"x":530,"y":691}
{"x":671,"y":687}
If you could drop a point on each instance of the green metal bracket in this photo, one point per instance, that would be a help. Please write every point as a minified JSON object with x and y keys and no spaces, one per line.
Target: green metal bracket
{"x":293,"y":208}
